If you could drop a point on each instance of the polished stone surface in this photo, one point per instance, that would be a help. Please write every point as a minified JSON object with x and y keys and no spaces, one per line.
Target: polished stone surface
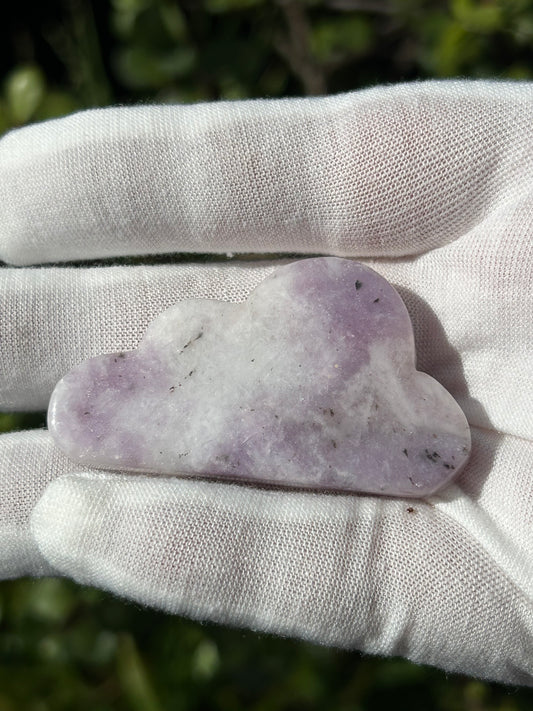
{"x":309,"y":383}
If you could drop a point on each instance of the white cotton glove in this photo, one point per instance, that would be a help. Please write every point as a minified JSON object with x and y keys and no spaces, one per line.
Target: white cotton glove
{"x":431,"y":184}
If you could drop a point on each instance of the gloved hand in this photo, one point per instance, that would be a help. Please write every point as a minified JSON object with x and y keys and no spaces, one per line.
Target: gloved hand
{"x":431,"y":185}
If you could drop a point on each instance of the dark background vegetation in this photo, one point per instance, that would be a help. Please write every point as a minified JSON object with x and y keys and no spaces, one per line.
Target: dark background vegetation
{"x":65,"y":647}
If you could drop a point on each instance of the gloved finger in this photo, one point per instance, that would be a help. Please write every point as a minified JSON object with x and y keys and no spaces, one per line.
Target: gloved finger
{"x":469,"y":303}
{"x":52,"y":319}
{"x":29,"y":461}
{"x":435,"y":582}
{"x":389,"y":171}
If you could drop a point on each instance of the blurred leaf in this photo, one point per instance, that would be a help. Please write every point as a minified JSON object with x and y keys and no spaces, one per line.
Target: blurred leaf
{"x":455,"y":49}
{"x":151,"y":31}
{"x":103,"y":648}
{"x":10,"y":421}
{"x":5,"y":124}
{"x":338,"y":36}
{"x":56,"y":103}
{"x":177,"y":62}
{"x":24,"y":91}
{"x":308,"y":683}
{"x":273,"y":81}
{"x":125,"y":13}
{"x":139,"y":68}
{"x":51,"y":649}
{"x":231,"y":88}
{"x":173,"y":21}
{"x":522,"y":29}
{"x":131,"y":5}
{"x":475,"y":694}
{"x":48,"y":600}
{"x":175,"y":95}
{"x":399,"y":672}
{"x":205,"y":660}
{"x":231,"y":5}
{"x":478,"y":16}
{"x":519,"y":71}
{"x":134,"y":678}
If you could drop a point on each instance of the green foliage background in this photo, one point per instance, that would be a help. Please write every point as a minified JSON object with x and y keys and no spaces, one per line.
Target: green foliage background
{"x":66,"y":647}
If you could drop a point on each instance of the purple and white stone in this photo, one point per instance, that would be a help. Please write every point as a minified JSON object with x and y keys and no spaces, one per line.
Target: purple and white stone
{"x":309,"y":383}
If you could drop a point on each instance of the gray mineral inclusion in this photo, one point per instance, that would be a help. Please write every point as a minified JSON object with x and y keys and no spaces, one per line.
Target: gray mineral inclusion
{"x":309,"y":383}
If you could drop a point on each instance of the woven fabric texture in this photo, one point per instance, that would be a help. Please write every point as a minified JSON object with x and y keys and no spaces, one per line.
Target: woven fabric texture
{"x":430,"y":184}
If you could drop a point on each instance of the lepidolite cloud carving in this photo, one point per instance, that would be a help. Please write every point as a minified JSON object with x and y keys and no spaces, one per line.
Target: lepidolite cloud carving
{"x":309,"y":383}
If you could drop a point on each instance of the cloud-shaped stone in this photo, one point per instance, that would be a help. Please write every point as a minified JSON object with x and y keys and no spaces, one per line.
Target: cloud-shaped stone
{"x":310,"y":383}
